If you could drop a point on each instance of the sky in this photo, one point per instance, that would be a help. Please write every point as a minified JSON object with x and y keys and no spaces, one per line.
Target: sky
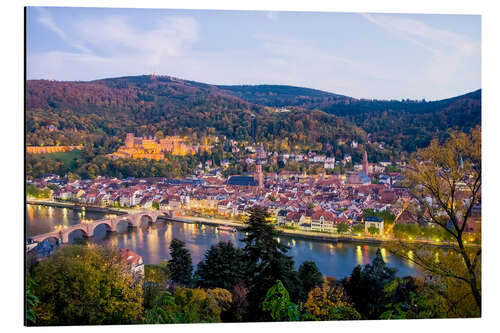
{"x":362,"y":55}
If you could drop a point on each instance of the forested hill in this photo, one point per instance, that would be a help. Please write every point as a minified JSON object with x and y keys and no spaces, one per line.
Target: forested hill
{"x":109,"y":108}
{"x":280,"y":96}
{"x":401,"y":125}
{"x":147,"y":104}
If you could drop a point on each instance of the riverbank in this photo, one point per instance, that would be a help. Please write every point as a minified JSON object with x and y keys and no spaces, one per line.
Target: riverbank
{"x":311,"y":235}
{"x":307,"y":235}
{"x":72,"y":205}
{"x":302,"y":234}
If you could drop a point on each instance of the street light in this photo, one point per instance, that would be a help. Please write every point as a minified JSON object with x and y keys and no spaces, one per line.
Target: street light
{"x":59,"y":227}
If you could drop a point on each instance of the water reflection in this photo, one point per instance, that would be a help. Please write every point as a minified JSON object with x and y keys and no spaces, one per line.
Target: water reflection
{"x":152,"y":242}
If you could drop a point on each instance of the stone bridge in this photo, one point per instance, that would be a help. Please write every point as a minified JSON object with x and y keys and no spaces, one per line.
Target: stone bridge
{"x":132,"y":220}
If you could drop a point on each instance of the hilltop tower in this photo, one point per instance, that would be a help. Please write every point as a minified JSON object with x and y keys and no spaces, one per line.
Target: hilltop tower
{"x":365,"y":163}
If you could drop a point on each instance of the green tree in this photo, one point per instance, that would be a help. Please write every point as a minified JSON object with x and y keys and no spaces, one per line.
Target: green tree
{"x":412,"y":299}
{"x":365,"y":287}
{"x":266,"y":262}
{"x":310,"y":277}
{"x":358,"y":229}
{"x":373,"y":230}
{"x":155,"y":205}
{"x":196,"y":306}
{"x":86,"y":285}
{"x":329,"y":303}
{"x":278,"y":303}
{"x":161,"y":313}
{"x":186,"y":306}
{"x":155,"y":282}
{"x":31,"y":301}
{"x":222,"y":267}
{"x":180,"y":265}
{"x":342,"y":228}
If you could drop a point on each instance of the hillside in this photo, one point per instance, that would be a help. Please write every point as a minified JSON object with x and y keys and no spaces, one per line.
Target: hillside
{"x":145,"y":105}
{"x":401,"y":125}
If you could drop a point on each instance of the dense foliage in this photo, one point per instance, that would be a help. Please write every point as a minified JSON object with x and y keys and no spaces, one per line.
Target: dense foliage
{"x":402,"y":125}
{"x":370,"y":280}
{"x":36,"y":192}
{"x":266,"y":262}
{"x":222,"y":267}
{"x":86,"y":285}
{"x":180,"y":265}
{"x":146,"y":105}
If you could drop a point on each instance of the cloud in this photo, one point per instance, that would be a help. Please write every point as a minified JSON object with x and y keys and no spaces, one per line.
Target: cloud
{"x":114,"y":42}
{"x":169,"y":37}
{"x":46,"y":20}
{"x":449,"y":51}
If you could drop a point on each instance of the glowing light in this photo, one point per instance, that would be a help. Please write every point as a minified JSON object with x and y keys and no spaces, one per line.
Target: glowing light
{"x":59,"y":227}
{"x":410,"y":256}
{"x":384,"y":254}
{"x":359,"y":255}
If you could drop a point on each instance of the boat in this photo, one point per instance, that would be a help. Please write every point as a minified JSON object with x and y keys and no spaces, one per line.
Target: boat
{"x":226,"y":228}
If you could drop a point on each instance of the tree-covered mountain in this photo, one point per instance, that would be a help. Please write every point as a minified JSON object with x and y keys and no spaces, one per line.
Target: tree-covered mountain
{"x":104,"y":110}
{"x":145,"y":105}
{"x":400,"y":125}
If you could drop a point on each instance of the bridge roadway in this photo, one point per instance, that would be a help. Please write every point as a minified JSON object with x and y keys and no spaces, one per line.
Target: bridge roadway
{"x":133,"y":220}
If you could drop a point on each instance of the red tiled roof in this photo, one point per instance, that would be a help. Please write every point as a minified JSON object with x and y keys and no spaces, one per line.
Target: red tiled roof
{"x":130,"y":256}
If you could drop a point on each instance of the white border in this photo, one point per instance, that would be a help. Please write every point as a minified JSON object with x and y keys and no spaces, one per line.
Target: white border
{"x":12,"y":84}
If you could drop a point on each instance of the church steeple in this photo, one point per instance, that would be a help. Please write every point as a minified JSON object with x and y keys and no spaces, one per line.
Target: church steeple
{"x":365,"y":163}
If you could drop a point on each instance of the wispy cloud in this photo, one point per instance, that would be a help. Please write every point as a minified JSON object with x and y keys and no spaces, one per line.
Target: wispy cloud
{"x":117,"y":40}
{"x":46,"y":20}
{"x":448,"y":50}
{"x":169,"y":37}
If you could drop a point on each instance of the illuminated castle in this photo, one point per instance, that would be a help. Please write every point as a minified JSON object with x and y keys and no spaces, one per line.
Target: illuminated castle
{"x":155,"y":149}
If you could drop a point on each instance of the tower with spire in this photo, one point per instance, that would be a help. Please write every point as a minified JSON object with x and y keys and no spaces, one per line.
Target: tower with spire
{"x":365,"y":163}
{"x":259,"y":175}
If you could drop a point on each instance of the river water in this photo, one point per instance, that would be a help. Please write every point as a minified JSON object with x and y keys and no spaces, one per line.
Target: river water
{"x":152,"y":242}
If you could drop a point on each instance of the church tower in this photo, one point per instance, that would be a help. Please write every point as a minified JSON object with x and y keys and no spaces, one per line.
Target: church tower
{"x":259,"y":176}
{"x":365,"y":163}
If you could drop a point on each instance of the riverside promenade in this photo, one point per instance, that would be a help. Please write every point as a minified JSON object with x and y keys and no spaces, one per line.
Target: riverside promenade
{"x":322,"y":236}
{"x":296,"y":233}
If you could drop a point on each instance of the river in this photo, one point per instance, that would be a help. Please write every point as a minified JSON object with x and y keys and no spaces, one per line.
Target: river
{"x":152,"y":242}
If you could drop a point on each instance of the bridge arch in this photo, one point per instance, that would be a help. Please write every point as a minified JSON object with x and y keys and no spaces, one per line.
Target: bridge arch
{"x":67,"y":234}
{"x":124,"y":221}
{"x":108,"y":225}
{"x":144,"y":220}
{"x":51,"y":238}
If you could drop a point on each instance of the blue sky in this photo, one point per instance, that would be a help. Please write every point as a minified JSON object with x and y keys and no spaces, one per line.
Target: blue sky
{"x":360,"y":55}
